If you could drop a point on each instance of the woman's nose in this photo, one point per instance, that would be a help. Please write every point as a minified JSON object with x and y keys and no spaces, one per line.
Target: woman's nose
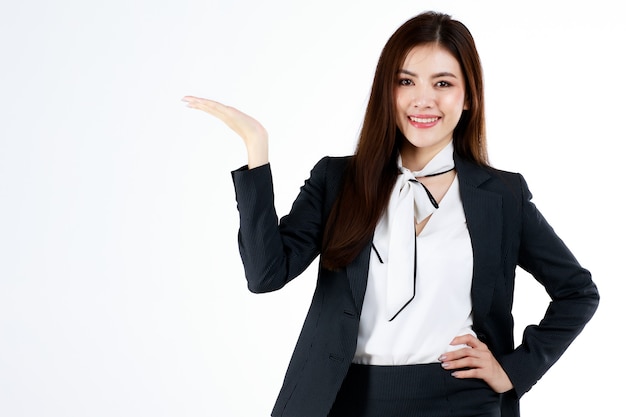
{"x":423,"y":97}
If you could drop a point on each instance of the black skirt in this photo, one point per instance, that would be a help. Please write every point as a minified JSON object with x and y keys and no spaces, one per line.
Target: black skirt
{"x":412,"y":391}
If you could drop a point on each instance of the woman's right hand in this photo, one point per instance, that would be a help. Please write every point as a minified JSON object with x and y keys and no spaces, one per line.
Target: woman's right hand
{"x":251,"y":131}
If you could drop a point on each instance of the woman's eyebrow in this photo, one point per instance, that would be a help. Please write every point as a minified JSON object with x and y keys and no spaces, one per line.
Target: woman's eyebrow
{"x":444,"y":74}
{"x":407,"y":72}
{"x":437,"y":75}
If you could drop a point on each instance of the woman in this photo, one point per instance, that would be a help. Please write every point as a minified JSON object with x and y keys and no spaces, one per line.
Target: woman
{"x":419,"y":240}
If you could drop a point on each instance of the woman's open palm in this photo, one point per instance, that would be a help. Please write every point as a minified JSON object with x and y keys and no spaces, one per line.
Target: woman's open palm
{"x":251,"y":131}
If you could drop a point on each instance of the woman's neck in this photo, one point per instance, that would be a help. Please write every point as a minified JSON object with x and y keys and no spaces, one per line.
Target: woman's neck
{"x":416,"y":158}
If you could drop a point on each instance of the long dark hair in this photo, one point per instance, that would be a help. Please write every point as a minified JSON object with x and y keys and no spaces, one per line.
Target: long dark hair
{"x":372,"y":171}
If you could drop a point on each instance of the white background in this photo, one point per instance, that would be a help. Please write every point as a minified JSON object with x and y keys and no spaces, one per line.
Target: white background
{"x":121,"y":288}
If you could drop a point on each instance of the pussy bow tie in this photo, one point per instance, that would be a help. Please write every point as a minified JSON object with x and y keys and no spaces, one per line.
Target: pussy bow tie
{"x":410,"y":202}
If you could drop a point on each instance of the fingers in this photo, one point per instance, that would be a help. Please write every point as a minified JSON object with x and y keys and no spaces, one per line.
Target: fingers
{"x":465,"y":363}
{"x":467,"y":357}
{"x":209,"y":106}
{"x":475,"y":361}
{"x":470,"y":356}
{"x":244,"y":125}
{"x":473,"y":348}
{"x":240,"y":122}
{"x":469,"y":340}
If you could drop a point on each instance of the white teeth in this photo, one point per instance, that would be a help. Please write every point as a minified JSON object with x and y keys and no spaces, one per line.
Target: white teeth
{"x":420,"y":120}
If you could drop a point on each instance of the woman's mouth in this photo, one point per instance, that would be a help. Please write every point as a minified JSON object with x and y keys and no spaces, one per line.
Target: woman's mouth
{"x":424,"y":121}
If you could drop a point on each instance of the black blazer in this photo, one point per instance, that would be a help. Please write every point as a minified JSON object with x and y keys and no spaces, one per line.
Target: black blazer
{"x":506,"y":230}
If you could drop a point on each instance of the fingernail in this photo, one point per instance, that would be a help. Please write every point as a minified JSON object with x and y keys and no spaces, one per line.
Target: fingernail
{"x":442,"y":358}
{"x":445,"y":365}
{"x":454,"y":374}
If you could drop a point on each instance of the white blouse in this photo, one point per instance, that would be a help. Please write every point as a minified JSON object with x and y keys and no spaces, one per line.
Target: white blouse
{"x":442,"y":307}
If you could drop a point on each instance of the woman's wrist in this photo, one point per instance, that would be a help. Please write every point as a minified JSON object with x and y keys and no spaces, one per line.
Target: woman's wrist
{"x":258,"y":154}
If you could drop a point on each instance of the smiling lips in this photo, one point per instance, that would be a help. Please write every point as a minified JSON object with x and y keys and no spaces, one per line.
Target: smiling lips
{"x":424,"y":121}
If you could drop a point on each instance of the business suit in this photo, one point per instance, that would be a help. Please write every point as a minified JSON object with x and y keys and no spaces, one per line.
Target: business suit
{"x":506,"y":230}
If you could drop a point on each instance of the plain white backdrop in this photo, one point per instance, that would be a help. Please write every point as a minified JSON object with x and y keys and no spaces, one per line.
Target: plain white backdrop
{"x":121,"y":288}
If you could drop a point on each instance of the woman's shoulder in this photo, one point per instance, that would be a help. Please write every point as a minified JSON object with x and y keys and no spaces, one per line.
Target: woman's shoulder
{"x":482,"y":172}
{"x":491,"y":178}
{"x":336,"y":160}
{"x":503,"y":174}
{"x":333,"y":165}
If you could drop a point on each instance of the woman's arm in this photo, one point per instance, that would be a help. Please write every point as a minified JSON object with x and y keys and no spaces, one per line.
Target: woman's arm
{"x":273,"y":253}
{"x":574,"y":298}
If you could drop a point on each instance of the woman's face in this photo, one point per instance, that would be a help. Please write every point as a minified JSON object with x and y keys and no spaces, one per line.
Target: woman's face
{"x":430,"y":98}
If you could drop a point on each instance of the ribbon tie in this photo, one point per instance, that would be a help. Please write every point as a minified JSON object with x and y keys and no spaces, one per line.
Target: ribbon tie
{"x":410,"y":202}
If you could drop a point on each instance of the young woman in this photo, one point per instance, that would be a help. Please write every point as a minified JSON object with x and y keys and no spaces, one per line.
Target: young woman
{"x":419,"y":240}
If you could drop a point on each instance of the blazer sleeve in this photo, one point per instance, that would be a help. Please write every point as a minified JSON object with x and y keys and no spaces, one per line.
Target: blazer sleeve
{"x":273,"y":253}
{"x":574,"y":298}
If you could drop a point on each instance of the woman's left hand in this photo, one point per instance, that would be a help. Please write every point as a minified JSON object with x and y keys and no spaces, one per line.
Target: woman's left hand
{"x":476,"y":361}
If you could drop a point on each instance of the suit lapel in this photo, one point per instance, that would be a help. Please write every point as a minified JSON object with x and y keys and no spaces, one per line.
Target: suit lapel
{"x":483,"y":212}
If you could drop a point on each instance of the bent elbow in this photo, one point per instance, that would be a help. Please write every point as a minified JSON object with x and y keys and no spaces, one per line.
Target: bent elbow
{"x":263,"y":286}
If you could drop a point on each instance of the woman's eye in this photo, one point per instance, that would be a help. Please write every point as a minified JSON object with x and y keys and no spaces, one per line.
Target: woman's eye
{"x":405,"y":82}
{"x":443,"y":84}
